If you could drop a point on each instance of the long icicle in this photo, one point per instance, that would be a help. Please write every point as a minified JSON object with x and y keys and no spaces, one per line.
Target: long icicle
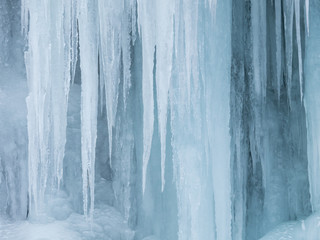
{"x":89,"y":98}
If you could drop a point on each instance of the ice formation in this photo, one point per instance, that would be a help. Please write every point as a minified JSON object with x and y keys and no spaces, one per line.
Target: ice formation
{"x":159,"y":119}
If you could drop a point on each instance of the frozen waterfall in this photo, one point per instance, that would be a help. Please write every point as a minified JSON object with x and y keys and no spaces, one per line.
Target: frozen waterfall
{"x":159,"y":119}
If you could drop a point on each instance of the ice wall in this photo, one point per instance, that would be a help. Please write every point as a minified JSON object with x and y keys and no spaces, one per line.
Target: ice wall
{"x":13,"y":122}
{"x":311,"y":102}
{"x":190,"y":119}
{"x":4,"y":30}
{"x":175,"y":79}
{"x":268,"y":123}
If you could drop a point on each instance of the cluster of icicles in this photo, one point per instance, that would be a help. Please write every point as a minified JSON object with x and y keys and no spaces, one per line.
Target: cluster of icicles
{"x":105,"y":31}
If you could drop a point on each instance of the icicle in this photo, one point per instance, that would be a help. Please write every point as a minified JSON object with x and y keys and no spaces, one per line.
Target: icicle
{"x":110,"y":32}
{"x":165,"y":11}
{"x":89,"y":97}
{"x":218,"y":113}
{"x":307,"y":14}
{"x":278,"y":9}
{"x":147,"y":27}
{"x":298,"y":33}
{"x":59,"y":104}
{"x":38,"y":67}
{"x":126,"y":28}
{"x":133,"y":8}
{"x":190,"y":12}
{"x":259,"y":29}
{"x":24,"y":16}
{"x":213,"y":5}
{"x":74,"y":40}
{"x":288,"y":27}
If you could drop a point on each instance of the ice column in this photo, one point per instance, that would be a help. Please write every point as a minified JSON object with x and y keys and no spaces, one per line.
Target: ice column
{"x":147,"y":26}
{"x":258,"y":21}
{"x":116,"y":34}
{"x":278,"y":10}
{"x":218,"y":112}
{"x":110,"y":14}
{"x":199,"y":103}
{"x":157,"y":35}
{"x":88,"y":37}
{"x":164,"y":43}
{"x":48,"y":64}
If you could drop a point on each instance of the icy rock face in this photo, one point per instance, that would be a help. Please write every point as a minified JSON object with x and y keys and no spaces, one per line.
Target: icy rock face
{"x":268,"y":122}
{"x":10,"y":38}
{"x":13,"y":122}
{"x":311,"y":102}
{"x":13,"y":145}
{"x":4,"y":30}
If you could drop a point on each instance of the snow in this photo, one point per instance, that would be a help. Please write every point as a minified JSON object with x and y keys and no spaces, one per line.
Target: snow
{"x":108,"y":224}
{"x":303,"y":229}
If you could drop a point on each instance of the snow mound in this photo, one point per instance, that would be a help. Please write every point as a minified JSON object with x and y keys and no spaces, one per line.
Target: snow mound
{"x":308,"y":229}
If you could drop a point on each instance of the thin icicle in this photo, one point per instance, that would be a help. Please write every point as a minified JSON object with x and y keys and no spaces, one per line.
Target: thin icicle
{"x":288,"y":27}
{"x":165,"y":11}
{"x":259,"y":47}
{"x":278,"y":9}
{"x":133,"y":9}
{"x":58,"y":89}
{"x":298,"y":33}
{"x":126,"y":28}
{"x":190,"y":12}
{"x":89,"y":98}
{"x":74,"y":39}
{"x":147,"y":27}
{"x":213,"y":5}
{"x":24,"y":16}
{"x":307,"y":15}
{"x":110,"y":50}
